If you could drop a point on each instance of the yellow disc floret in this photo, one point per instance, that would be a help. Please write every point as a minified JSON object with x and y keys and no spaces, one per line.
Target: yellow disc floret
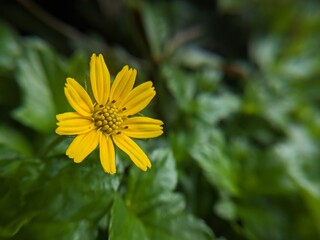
{"x":106,"y":118}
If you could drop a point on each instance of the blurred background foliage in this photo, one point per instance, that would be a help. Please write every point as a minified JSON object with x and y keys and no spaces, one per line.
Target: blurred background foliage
{"x":237,"y":87}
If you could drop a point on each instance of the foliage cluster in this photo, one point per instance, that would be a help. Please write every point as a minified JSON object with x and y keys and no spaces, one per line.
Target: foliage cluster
{"x":237,"y":88}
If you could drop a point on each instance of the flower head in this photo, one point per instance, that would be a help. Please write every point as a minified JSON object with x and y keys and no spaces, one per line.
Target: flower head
{"x":109,"y":117}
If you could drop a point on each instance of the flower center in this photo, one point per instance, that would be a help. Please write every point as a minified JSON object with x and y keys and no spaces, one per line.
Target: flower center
{"x":106,"y":118}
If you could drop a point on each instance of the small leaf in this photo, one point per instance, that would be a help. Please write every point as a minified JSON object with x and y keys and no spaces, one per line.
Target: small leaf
{"x":197,"y":58}
{"x":181,"y":85}
{"x":217,"y":166}
{"x":226,"y":209}
{"x":214,"y":108}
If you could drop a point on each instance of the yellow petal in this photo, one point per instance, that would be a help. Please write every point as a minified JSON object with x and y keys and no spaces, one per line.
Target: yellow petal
{"x":143,"y":120}
{"x":142,"y":135}
{"x":72,"y":123}
{"x":107,"y":154}
{"x":83,"y":145}
{"x":78,"y":97}
{"x":122,"y":84}
{"x":142,"y":127}
{"x":138,"y":98}
{"x":70,"y":115}
{"x":136,"y":154}
{"x":99,"y":78}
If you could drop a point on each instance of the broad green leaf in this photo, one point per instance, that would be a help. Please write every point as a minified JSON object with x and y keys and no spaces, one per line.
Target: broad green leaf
{"x":157,"y":186}
{"x":64,"y":230}
{"x":161,"y":212}
{"x":55,"y":198}
{"x":41,"y":77}
{"x":162,"y":178}
{"x":74,"y":192}
{"x":182,"y":226}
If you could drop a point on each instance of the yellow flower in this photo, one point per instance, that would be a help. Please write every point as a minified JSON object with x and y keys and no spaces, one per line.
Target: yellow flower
{"x":109,"y":118}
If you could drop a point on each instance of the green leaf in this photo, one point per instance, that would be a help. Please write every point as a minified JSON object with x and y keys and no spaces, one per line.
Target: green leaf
{"x":299,"y":155}
{"x":9,"y":48}
{"x":62,"y":201}
{"x":41,"y":77}
{"x":197,"y":58}
{"x":64,"y":230}
{"x":18,"y":176}
{"x":74,"y":192}
{"x":211,"y":108}
{"x":181,"y":226}
{"x":77,"y":68}
{"x":124,"y":224}
{"x":265,"y":52}
{"x":181,"y":85}
{"x":162,"y":177}
{"x":156,"y":27}
{"x":226,"y":209}
{"x":13,"y":215}
{"x":210,"y":154}
{"x":154,"y":208}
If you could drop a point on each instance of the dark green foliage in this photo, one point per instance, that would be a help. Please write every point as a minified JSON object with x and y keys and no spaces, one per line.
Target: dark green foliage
{"x":237,"y":88}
